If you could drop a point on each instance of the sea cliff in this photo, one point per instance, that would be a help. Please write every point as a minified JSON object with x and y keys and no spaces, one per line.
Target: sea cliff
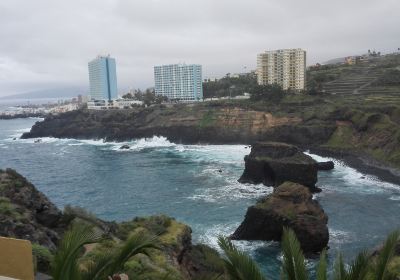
{"x":365,"y":127}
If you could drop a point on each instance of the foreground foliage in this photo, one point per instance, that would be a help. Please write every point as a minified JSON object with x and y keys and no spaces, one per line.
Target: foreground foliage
{"x":240,"y":266}
{"x":69,"y":261}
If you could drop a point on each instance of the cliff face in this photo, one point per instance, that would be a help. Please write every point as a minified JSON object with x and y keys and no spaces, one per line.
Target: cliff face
{"x":358,"y":125}
{"x":183,"y":123}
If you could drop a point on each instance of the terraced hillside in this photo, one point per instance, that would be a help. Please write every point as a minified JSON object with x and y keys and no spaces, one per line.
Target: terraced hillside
{"x":367,"y":77}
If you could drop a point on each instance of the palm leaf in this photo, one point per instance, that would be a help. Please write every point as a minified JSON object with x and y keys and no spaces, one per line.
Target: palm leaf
{"x":294,"y":265}
{"x":65,"y":263}
{"x":385,"y":256}
{"x":239,"y":265}
{"x":322,"y":267}
{"x":136,"y":244}
{"x":359,"y":268}
{"x":339,"y":271}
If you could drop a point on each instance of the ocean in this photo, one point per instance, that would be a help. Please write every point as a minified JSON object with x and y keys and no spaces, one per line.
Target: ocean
{"x":196,"y":184}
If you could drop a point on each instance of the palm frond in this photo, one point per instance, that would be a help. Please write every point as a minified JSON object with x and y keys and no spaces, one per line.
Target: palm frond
{"x":322,"y":268}
{"x":385,"y":256}
{"x":294,"y":265}
{"x":65,"y":263}
{"x":359,"y":267}
{"x":95,"y":267}
{"x":136,"y":244}
{"x":339,"y":270}
{"x":238,"y":264}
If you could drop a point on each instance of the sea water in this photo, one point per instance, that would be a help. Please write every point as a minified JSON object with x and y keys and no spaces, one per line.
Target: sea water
{"x":196,"y":184}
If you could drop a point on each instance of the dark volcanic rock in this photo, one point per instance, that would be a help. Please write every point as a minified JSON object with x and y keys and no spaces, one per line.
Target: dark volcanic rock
{"x":25,"y":212}
{"x":290,"y":205}
{"x":273,"y":163}
{"x":327,"y":165}
{"x":124,"y":147}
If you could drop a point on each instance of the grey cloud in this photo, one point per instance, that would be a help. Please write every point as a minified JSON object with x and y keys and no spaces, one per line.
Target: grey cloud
{"x":49,"y":42}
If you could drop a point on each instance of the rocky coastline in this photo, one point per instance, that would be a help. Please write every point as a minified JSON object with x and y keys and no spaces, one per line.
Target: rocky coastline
{"x":26,"y":213}
{"x":368,"y":134}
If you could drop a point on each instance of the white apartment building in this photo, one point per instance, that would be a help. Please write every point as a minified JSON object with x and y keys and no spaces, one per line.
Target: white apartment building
{"x":286,"y":67}
{"x":179,"y":82}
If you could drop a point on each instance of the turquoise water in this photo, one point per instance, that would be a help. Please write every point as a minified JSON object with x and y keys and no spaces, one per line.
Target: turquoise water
{"x":156,"y":176}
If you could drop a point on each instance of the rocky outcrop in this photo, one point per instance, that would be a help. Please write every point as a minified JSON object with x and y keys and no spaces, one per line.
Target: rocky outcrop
{"x":273,"y":163}
{"x":188,"y":124}
{"x":326,"y":165}
{"x":290,"y":205}
{"x":26,"y":213}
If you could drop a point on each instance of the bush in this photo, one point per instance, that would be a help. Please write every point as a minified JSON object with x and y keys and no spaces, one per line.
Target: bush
{"x":42,"y":258}
{"x":273,"y":93}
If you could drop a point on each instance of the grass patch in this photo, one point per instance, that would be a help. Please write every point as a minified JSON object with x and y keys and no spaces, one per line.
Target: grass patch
{"x":7,"y":208}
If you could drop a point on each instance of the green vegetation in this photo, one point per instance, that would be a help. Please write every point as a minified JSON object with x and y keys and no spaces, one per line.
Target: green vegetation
{"x":240,"y":266}
{"x":42,"y":257}
{"x":207,"y":120}
{"x":390,"y":77}
{"x":8,"y":208}
{"x":229,"y":86}
{"x":66,"y":263}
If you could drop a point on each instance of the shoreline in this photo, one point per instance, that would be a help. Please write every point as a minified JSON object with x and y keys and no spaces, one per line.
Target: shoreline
{"x":361,"y":163}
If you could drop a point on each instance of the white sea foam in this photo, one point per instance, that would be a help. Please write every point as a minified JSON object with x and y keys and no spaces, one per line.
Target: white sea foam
{"x":339,"y":236}
{"x":210,"y":237}
{"x":354,"y":180}
{"x":144,"y":143}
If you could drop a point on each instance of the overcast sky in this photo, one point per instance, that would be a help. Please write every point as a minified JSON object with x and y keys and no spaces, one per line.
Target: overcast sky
{"x":47,"y":43}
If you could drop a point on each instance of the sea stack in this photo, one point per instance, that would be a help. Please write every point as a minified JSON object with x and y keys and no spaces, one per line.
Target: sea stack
{"x":290,"y":205}
{"x":273,"y":163}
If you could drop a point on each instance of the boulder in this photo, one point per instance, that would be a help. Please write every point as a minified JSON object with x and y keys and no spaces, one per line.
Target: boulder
{"x":290,"y":205}
{"x":326,"y":165}
{"x":273,"y":163}
{"x":124,"y":147}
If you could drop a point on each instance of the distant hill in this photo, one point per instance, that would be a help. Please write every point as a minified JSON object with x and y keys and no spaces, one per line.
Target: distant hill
{"x":67,"y":92}
{"x":334,"y":60}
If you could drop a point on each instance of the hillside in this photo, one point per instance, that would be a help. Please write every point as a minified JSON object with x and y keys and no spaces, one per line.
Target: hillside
{"x":365,"y":77}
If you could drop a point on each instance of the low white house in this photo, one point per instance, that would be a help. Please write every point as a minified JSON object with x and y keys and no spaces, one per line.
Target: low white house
{"x":112,"y":104}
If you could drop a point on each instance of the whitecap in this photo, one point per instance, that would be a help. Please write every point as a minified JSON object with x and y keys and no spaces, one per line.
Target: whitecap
{"x":353,"y":180}
{"x":210,"y":238}
{"x":339,"y":236}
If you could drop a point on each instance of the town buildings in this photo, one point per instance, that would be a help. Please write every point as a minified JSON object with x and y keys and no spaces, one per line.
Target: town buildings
{"x":103,"y":78}
{"x":179,"y":82}
{"x":113,"y":104}
{"x":286,"y":67}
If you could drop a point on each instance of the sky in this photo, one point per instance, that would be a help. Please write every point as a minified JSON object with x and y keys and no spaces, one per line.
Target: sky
{"x":47,"y":44}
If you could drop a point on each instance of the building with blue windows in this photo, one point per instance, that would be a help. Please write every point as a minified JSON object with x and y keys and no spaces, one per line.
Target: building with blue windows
{"x":179,"y":82}
{"x":103,"y":78}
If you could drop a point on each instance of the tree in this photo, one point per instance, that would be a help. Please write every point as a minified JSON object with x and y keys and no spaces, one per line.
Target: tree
{"x":127,"y":96}
{"x":66,"y":265}
{"x":272,"y":93}
{"x":240,"y":266}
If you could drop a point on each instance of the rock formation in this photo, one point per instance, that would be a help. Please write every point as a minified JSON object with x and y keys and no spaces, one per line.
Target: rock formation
{"x":326,"y":165}
{"x":25,"y":212}
{"x":273,"y":163}
{"x":290,"y":205}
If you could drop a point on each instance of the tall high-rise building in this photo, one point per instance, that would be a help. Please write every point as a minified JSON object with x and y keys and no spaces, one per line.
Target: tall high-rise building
{"x":286,"y":68}
{"x":179,"y":82}
{"x":103,"y":78}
